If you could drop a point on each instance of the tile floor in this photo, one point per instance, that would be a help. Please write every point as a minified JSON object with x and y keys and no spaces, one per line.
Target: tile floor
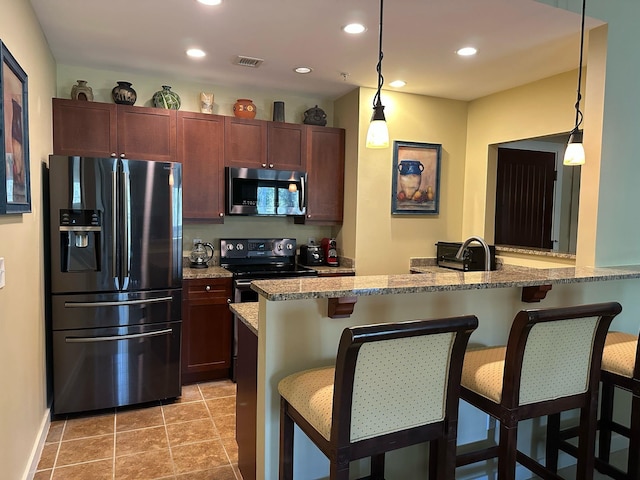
{"x":191,"y":438}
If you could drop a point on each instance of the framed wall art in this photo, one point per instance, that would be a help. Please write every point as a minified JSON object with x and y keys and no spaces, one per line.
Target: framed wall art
{"x":15,"y":185}
{"x":416,"y":178}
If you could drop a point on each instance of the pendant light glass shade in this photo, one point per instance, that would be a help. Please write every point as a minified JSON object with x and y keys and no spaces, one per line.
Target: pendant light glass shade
{"x":378,"y":133}
{"x":574,"y":154}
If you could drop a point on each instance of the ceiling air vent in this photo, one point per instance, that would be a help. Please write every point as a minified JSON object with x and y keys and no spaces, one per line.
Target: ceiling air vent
{"x":247,"y":61}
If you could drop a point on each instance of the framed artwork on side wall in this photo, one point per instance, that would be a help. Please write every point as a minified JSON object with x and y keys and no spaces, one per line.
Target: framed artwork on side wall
{"x":416,"y":178}
{"x":15,"y":185}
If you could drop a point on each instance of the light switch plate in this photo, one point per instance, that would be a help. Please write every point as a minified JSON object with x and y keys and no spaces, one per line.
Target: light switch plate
{"x":2,"y":277}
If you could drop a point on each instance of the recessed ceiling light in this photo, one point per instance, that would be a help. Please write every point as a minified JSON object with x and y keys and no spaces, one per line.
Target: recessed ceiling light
{"x":303,"y":70}
{"x":467,"y":51}
{"x":210,"y":2}
{"x":196,"y":53}
{"x":354,"y":28}
{"x":398,"y":83}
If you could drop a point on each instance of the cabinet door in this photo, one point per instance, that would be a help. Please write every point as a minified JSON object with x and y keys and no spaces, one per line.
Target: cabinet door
{"x":325,"y":169}
{"x":84,"y":128}
{"x":206,"y":330}
{"x":201,"y":152}
{"x":146,"y":133}
{"x":286,"y":146}
{"x":245,"y":143}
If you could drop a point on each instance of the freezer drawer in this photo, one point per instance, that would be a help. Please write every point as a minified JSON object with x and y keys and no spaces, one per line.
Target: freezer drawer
{"x":110,"y":367}
{"x":103,"y":310}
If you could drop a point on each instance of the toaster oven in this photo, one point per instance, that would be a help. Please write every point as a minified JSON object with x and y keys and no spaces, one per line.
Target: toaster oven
{"x":472,"y":261}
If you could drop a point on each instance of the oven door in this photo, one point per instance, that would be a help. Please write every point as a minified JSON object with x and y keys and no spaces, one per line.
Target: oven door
{"x":242,"y":291}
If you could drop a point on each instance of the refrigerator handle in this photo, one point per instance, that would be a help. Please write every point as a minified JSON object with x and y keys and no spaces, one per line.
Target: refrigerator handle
{"x":114,"y":236}
{"x":110,"y":338}
{"x":126,"y":220}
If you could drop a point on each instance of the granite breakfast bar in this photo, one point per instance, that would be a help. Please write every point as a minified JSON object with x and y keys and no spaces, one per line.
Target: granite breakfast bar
{"x":298,"y":328}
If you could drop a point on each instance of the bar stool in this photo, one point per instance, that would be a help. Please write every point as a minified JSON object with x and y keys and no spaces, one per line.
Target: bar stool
{"x":621,"y":369}
{"x":393,"y":385}
{"x":551,"y":364}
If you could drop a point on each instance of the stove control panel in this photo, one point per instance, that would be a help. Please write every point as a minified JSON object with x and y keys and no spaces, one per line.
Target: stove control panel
{"x":257,"y":247}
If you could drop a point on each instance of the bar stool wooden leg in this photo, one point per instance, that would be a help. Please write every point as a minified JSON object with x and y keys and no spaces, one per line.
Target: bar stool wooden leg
{"x":587,"y":440}
{"x":286,"y":443}
{"x":606,"y":417}
{"x":552,"y":448}
{"x":377,"y":467}
{"x":508,"y":451}
{"x":634,"y":441}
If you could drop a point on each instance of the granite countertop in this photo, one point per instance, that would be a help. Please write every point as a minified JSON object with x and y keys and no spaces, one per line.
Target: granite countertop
{"x":209,"y":272}
{"x":247,"y":313}
{"x":340,"y":270}
{"x":514,"y":276}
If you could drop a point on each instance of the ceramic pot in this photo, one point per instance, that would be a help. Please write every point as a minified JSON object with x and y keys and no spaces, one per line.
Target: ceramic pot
{"x":278,"y":111}
{"x":315,"y":116}
{"x":82,"y":91}
{"x":244,"y":108}
{"x":167,"y":99}
{"x":206,"y":102}
{"x":410,"y":176}
{"x":123,"y":94}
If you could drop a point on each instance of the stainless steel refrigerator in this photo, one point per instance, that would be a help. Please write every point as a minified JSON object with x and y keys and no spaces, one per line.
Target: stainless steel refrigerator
{"x":115,"y":238}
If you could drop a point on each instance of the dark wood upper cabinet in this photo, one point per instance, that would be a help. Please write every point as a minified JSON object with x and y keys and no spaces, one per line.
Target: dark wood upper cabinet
{"x":325,"y":175}
{"x":286,"y":149}
{"x":84,"y":128}
{"x":97,"y":129}
{"x":245,"y":143}
{"x":201,"y":152}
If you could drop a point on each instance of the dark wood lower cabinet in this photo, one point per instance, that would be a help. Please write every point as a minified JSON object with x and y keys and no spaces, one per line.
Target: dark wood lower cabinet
{"x":207,"y":332}
{"x":246,"y":400}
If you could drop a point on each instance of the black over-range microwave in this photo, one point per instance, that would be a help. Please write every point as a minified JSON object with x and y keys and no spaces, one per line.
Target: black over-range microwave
{"x":256,"y":191}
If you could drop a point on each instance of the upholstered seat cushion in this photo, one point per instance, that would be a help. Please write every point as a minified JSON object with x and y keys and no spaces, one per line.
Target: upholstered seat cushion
{"x":310,"y":392}
{"x":619,"y":354}
{"x":483,"y":371}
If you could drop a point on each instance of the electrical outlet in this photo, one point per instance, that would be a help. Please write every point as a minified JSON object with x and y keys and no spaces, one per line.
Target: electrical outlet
{"x":311,"y":241}
{"x":2,"y":275}
{"x":197,"y":240}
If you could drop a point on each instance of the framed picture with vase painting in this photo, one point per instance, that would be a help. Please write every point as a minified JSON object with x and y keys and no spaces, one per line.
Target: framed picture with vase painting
{"x":15,"y":187}
{"x":416,"y":178}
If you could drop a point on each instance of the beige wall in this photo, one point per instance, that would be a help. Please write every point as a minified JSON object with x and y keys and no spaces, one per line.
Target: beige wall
{"x":23,"y":402}
{"x":384,"y":242}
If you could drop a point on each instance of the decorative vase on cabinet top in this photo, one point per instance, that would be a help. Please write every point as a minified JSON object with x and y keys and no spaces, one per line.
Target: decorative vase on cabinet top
{"x":123,"y":94}
{"x":244,"y":108}
{"x":315,"y":116}
{"x":82,"y":91}
{"x":167,"y":99}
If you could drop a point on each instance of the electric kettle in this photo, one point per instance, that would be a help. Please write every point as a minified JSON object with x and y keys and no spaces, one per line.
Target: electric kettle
{"x":200,"y":255}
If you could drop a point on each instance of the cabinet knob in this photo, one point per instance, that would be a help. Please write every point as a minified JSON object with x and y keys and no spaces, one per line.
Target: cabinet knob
{"x":264,"y":165}
{"x":271,"y":165}
{"x":113,"y":154}
{"x":122,"y":155}
{"x":207,"y":288}
{"x":221,"y":214}
{"x":228,"y":300}
{"x":309,"y":216}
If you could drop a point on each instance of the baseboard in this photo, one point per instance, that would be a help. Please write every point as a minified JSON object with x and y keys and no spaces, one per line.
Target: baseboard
{"x":38,"y":446}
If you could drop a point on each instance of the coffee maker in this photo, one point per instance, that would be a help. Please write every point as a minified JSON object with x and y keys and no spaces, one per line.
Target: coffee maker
{"x":330,"y":251}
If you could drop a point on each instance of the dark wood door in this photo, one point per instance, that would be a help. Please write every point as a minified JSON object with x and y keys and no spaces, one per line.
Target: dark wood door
{"x":147,"y":133}
{"x":84,"y":128}
{"x":286,"y":146}
{"x":206,"y":330}
{"x":325,"y":169}
{"x":201,"y":152}
{"x":245,"y":143}
{"x":524,"y":198}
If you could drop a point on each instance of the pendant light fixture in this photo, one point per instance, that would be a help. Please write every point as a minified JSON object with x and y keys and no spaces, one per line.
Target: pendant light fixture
{"x":574,"y":154}
{"x":378,"y":134}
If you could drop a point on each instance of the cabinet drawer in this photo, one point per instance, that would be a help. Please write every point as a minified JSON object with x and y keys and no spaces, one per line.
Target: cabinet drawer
{"x":211,"y":289}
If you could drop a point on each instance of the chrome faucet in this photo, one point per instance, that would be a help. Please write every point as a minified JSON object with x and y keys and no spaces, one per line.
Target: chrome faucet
{"x":480,"y":240}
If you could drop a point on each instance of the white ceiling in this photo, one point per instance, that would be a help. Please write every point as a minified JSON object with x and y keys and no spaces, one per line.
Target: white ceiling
{"x":518,"y":41}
